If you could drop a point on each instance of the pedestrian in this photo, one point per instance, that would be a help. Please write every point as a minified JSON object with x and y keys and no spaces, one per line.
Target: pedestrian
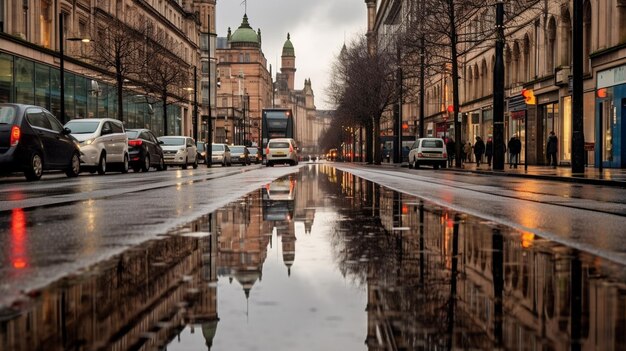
{"x":515,"y":148}
{"x":479,"y":150}
{"x":451,"y":149}
{"x":552,"y":148}
{"x":467,"y":148}
{"x":489,"y":151}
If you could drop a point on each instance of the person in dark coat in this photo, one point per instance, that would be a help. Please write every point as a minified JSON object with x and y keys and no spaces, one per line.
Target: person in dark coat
{"x":551,"y":149}
{"x":489,"y":151}
{"x":515,"y":147}
{"x":451,"y":150}
{"x":479,"y":150}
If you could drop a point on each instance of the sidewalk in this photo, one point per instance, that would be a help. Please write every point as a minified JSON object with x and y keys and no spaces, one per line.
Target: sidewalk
{"x":615,"y":177}
{"x":608,"y":177}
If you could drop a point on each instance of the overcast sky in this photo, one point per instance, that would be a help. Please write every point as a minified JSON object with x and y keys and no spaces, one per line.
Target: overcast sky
{"x":317,"y":30}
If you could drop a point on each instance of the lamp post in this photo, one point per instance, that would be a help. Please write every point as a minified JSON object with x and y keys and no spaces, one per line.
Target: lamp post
{"x":498,"y":91}
{"x":62,"y":62}
{"x":578,"y":137}
{"x":210,"y":117}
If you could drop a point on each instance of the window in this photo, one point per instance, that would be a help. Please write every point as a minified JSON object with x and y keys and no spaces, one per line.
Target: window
{"x":37,"y":119}
{"x":117,"y":127}
{"x":25,"y":18}
{"x":24,"y":76}
{"x":45,"y":23}
{"x":432,"y":143}
{"x":6,"y":76}
{"x":54,"y":124}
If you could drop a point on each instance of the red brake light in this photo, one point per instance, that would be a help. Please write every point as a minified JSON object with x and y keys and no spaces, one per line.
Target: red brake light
{"x":290,"y":148}
{"x":16,"y":134}
{"x":445,"y":155}
{"x":267,"y":150}
{"x":135,"y":142}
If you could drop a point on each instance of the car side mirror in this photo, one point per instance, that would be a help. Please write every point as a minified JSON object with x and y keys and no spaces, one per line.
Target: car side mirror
{"x":161,"y":142}
{"x":106,"y":132}
{"x":66,"y":131}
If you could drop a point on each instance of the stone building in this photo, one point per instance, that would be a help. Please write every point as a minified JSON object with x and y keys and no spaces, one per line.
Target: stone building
{"x":30,"y":58}
{"x":245,"y":86}
{"x":538,"y":57}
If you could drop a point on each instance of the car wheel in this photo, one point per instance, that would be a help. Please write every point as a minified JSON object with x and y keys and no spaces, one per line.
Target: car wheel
{"x":161,"y":166}
{"x":195,"y":164}
{"x":436,"y":166}
{"x":184,"y":166}
{"x":410,"y":164}
{"x":136,"y":168}
{"x":145,"y":166}
{"x":35,"y":170}
{"x":267,"y":164}
{"x":74,"y":168}
{"x":296,"y":163}
{"x":102,"y":164}
{"x":416,"y":164}
{"x":125,"y":164}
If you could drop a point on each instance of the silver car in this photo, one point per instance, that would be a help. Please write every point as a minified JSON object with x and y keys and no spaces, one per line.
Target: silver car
{"x":179,"y":151}
{"x":221,"y":154}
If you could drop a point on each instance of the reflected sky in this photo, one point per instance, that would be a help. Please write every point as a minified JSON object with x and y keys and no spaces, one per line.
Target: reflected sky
{"x":323,"y":260}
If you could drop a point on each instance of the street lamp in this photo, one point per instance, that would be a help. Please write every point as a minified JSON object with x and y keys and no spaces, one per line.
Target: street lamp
{"x":62,"y":62}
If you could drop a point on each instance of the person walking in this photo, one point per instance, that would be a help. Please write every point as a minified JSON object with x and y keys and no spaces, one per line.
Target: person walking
{"x":467,"y":148}
{"x":451,"y":149}
{"x":515,"y":147}
{"x":479,"y":150}
{"x":552,"y":148}
{"x":489,"y":151}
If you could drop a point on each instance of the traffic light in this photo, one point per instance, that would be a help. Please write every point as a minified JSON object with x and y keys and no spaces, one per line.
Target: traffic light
{"x":529,"y":95}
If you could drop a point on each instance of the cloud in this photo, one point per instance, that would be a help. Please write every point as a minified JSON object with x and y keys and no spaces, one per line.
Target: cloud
{"x":317,"y":31}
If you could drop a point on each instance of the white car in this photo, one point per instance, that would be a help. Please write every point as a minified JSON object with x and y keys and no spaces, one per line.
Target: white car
{"x":220,"y":153}
{"x":281,"y":151}
{"x":179,"y":151}
{"x":428,"y":151}
{"x":103,"y":142}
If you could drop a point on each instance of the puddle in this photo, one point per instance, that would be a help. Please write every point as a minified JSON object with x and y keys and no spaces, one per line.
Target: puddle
{"x":324,"y":260}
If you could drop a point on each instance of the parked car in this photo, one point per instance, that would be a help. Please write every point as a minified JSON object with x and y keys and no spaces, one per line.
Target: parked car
{"x":103,"y":142}
{"x":33,"y":140}
{"x":239,"y":154}
{"x":280,"y":151}
{"x":221,"y":154}
{"x":255,"y":154}
{"x":179,"y":151}
{"x":428,"y":151}
{"x":144,"y":150}
{"x":202,"y":151}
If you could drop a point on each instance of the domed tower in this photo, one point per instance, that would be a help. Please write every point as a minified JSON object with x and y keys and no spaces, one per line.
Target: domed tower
{"x":289,"y":62}
{"x":244,"y":36}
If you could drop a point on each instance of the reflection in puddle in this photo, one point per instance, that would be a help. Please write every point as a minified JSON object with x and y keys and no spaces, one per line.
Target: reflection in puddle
{"x":325,"y":260}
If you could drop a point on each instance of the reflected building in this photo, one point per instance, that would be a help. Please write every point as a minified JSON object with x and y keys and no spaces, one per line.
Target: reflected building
{"x":132,"y":301}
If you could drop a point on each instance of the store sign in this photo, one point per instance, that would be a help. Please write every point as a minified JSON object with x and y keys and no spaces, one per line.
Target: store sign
{"x":611,"y":77}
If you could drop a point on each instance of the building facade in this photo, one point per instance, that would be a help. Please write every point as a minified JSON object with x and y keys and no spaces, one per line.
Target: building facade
{"x":30,"y":58}
{"x":538,"y":57}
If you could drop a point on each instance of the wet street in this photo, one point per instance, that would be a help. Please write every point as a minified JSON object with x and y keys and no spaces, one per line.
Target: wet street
{"x":320,"y":257}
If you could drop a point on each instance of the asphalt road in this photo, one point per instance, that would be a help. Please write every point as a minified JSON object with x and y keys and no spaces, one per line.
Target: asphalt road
{"x":59,"y":225}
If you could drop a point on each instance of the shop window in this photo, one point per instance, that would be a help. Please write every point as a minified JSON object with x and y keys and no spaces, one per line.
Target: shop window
{"x":566,"y":135}
{"x":70,"y":113}
{"x":80,"y":97}
{"x":24,"y":81}
{"x":6,"y":77}
{"x":55,"y":95}
{"x":42,"y":86}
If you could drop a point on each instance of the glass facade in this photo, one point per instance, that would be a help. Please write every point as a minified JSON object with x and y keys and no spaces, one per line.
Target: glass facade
{"x":26,"y":82}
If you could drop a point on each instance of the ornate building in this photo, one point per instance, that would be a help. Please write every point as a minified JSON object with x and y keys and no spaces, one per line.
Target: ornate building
{"x":30,"y":57}
{"x":538,"y":57}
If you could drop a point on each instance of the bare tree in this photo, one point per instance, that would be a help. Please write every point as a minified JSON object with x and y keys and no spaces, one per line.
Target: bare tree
{"x":364,"y":88}
{"x":116,"y":48}
{"x":165,"y":74}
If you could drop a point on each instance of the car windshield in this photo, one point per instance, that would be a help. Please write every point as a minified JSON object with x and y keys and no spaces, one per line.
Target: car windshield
{"x":7,"y":114}
{"x":217,"y":148}
{"x":200,"y":146}
{"x":132,"y":134}
{"x":79,"y":127}
{"x":172,"y":141}
{"x":432,"y":143}
{"x":279,"y":145}
{"x":237,"y":149}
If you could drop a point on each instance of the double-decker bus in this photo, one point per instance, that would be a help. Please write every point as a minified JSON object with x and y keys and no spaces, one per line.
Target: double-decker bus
{"x":276,"y":123}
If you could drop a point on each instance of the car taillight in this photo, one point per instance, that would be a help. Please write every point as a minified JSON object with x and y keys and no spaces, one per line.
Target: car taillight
{"x":445,"y":155}
{"x":16,"y":134}
{"x":290,"y":148}
{"x":267,"y":150}
{"x":419,"y":154}
{"x":135,"y":142}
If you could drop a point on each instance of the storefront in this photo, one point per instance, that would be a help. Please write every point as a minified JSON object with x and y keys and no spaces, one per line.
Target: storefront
{"x":610,"y":126}
{"x":547,"y":121}
{"x":25,"y":81}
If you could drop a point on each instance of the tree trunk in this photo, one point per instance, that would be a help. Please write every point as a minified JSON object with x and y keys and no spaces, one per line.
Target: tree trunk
{"x":376,"y":138}
{"x":120,"y":96}
{"x":164,"y":101}
{"x":369,"y":133}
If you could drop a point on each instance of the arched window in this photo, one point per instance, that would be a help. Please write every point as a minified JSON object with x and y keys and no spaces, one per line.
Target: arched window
{"x":484,"y":77}
{"x":508,"y":61}
{"x":515,"y":73}
{"x":526,"y":59}
{"x":470,"y":81}
{"x":565,"y":27}
{"x":477,"y":86}
{"x":551,"y":46}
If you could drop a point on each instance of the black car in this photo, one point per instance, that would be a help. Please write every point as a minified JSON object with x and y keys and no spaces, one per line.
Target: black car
{"x":33,"y":140}
{"x":201,"y":146}
{"x":144,"y":150}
